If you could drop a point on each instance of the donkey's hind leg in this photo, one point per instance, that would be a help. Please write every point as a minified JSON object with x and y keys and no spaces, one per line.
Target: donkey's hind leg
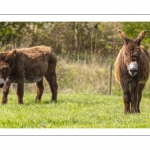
{"x":139,"y":96}
{"x":40,"y":88}
{"x":51,"y":78}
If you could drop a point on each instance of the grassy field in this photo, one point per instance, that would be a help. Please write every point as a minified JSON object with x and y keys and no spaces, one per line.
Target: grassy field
{"x":83,"y":102}
{"x":72,"y":111}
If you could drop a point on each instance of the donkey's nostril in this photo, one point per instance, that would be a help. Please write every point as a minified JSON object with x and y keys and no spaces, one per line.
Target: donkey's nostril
{"x":1,"y":85}
{"x":133,"y":72}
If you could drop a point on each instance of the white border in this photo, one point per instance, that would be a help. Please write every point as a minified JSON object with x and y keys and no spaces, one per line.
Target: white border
{"x":76,"y":132}
{"x":72,"y":18}
{"x":74,"y":7}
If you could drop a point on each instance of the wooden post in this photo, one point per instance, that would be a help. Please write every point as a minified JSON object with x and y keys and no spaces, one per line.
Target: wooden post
{"x":110,"y":79}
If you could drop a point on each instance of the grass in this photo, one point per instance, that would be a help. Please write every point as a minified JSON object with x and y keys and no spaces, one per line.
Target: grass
{"x":82,"y":102}
{"x":72,"y":111}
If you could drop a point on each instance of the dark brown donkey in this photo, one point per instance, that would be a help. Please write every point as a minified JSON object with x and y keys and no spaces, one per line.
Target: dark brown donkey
{"x":132,"y":71}
{"x":28,"y":65}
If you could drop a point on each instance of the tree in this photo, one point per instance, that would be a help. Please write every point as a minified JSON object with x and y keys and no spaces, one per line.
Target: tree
{"x":17,"y":34}
{"x":132,"y":29}
{"x":76,"y":40}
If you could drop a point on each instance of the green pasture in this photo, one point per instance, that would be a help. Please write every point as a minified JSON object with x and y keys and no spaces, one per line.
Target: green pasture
{"x":72,"y":111}
{"x":83,"y":101}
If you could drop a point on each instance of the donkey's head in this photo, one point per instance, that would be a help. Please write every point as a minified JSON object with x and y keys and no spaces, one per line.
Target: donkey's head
{"x":132,"y":52}
{"x":5,"y":69}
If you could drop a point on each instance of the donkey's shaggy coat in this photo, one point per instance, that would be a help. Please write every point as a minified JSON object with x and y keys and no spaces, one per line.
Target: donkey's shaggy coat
{"x":28,"y":65}
{"x":132,"y":71}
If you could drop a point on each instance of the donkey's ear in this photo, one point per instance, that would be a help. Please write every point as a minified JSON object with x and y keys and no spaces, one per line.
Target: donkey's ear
{"x":140,"y":37}
{"x":124,"y":37}
{"x":8,"y":56}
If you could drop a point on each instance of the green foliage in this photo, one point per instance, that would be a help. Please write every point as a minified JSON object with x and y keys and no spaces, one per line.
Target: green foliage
{"x":132,"y":29}
{"x":78,"y":40}
{"x":17,"y":34}
{"x":66,"y":38}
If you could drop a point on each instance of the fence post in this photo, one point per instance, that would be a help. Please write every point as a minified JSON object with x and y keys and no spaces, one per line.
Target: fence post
{"x":110,"y":79}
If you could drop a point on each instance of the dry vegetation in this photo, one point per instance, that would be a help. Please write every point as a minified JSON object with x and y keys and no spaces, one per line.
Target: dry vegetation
{"x":83,"y":77}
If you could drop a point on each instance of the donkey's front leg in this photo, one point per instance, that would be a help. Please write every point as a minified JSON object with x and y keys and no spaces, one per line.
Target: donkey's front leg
{"x":134,"y":87}
{"x":20,"y":92}
{"x":5,"y":91}
{"x":126,"y":97}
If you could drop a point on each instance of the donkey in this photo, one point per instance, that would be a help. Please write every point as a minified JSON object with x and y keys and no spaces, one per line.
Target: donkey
{"x":132,"y":71}
{"x":28,"y":65}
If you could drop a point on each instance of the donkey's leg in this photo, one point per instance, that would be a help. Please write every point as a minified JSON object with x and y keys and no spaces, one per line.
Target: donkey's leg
{"x":126,"y":97}
{"x":139,"y":96}
{"x":51,"y":78}
{"x":40,"y":88}
{"x":20,"y":92}
{"x":134,"y":87}
{"x":126,"y":94}
{"x":5,"y":91}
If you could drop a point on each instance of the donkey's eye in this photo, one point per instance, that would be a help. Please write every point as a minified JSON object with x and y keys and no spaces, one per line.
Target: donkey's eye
{"x":127,"y":54}
{"x":5,"y":69}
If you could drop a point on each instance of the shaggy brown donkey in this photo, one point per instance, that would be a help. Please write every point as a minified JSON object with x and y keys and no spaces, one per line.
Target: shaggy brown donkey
{"x":132,"y":71}
{"x":28,"y":65}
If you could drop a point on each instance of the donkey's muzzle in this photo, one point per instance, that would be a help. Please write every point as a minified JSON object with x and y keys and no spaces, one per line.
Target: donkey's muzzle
{"x":133,"y":68}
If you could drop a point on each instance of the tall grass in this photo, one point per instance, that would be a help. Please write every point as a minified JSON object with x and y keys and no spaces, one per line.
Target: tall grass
{"x":83,"y":77}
